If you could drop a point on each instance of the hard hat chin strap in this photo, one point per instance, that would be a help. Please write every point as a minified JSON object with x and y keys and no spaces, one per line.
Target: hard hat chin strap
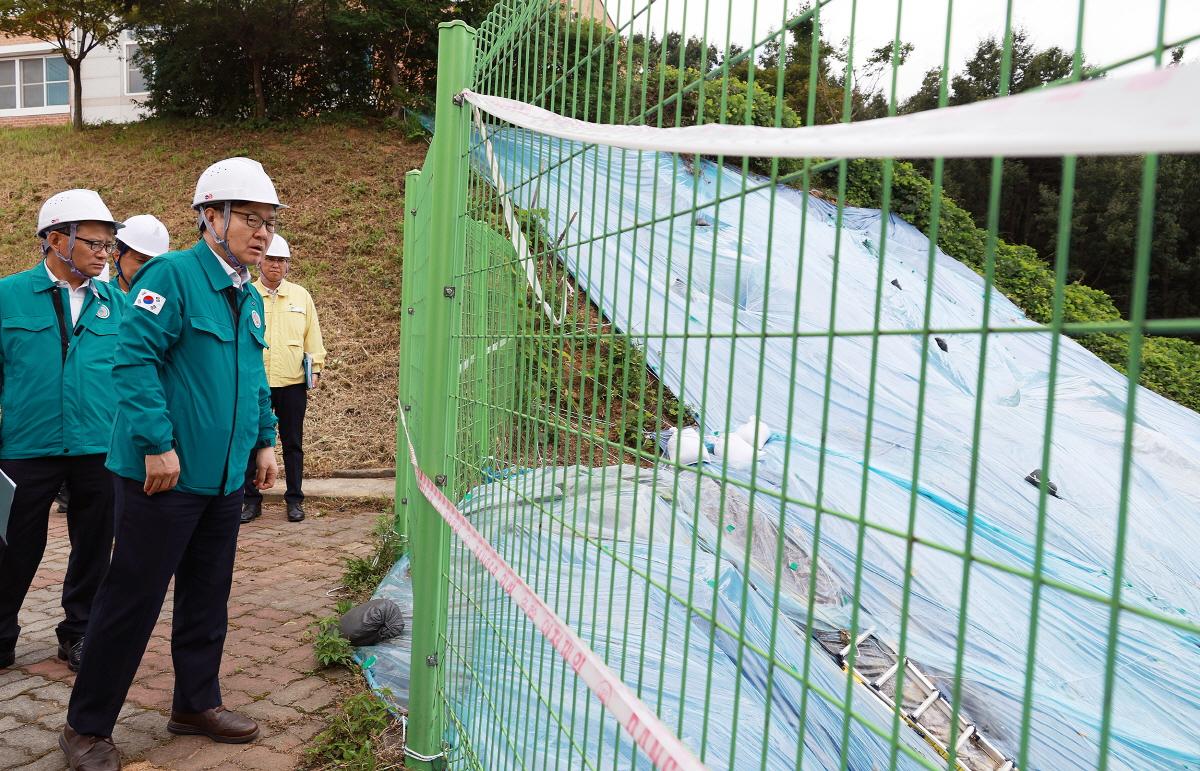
{"x":223,"y":241}
{"x":47,"y":248}
{"x":122,"y":250}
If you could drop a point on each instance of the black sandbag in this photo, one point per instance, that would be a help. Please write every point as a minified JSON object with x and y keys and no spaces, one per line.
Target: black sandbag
{"x":372,"y":622}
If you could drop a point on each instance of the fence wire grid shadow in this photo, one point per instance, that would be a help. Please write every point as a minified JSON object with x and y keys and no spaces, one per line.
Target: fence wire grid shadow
{"x":808,"y":477}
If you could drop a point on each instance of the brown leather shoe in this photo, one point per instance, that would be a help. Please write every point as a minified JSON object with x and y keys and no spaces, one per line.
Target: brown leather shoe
{"x":89,"y":753}
{"x":218,"y":724}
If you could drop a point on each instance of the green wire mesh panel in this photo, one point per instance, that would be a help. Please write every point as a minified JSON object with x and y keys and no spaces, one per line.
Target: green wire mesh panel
{"x":827,"y":488}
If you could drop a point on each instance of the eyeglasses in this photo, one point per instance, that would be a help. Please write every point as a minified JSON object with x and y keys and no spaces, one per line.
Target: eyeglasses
{"x":108,"y":247}
{"x":254,"y":222}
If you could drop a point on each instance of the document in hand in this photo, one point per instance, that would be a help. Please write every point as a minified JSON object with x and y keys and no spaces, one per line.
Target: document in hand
{"x":308,"y":371}
{"x":7,"y":489}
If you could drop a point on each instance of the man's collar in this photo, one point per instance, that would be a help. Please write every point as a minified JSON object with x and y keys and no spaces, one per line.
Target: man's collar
{"x":220,"y":273}
{"x":56,"y":281}
{"x":281,"y":290}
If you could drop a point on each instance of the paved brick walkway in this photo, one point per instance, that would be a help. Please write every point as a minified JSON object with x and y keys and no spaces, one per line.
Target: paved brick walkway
{"x":283,"y":576}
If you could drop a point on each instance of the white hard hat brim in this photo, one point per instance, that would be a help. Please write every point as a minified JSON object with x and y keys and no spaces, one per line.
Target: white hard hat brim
{"x":41,"y":233}
{"x":221,"y":201}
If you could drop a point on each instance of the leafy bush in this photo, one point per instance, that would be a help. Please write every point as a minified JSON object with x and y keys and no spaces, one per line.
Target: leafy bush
{"x":356,"y":736}
{"x":329,"y":647}
{"x":363,"y":574}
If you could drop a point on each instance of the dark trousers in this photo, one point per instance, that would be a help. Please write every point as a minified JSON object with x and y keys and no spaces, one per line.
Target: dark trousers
{"x":89,"y":525}
{"x":194,"y":538}
{"x":289,"y":403}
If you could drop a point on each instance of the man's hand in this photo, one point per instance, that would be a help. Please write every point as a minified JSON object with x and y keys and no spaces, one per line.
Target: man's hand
{"x":162,"y":472}
{"x":268,"y":469}
{"x":316,"y":381}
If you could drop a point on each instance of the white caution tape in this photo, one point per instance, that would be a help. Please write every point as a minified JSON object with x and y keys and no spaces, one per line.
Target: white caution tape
{"x":661,"y":746}
{"x":1154,"y":112}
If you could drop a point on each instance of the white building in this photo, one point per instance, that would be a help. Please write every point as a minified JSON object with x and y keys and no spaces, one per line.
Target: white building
{"x":36,"y":88}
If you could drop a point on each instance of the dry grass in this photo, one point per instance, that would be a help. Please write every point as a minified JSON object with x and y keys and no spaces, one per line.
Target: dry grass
{"x":344,"y":184}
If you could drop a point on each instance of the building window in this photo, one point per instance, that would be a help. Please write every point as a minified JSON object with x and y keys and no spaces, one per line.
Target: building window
{"x":35,"y":82}
{"x":57,"y":76}
{"x":8,"y":84}
{"x":135,"y":81}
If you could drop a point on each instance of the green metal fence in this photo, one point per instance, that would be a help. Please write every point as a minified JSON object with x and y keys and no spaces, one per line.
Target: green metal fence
{"x":531,"y":406}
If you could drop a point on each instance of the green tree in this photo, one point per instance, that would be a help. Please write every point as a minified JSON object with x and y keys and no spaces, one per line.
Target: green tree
{"x":1107,"y":190}
{"x":926,"y":97}
{"x":239,"y":41}
{"x":968,"y":180}
{"x":261,"y":58}
{"x":797,"y":57}
{"x":696,"y":54}
{"x":1104,"y":225}
{"x":287,"y":58}
{"x":74,"y":27}
{"x":402,"y":36}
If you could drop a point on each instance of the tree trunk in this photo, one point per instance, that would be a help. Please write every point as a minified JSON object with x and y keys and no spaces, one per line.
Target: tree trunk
{"x":260,"y":102}
{"x":392,"y":68}
{"x":77,"y":105}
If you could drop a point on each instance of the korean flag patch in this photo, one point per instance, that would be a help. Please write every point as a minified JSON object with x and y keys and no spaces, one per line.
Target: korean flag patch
{"x":150,"y":301}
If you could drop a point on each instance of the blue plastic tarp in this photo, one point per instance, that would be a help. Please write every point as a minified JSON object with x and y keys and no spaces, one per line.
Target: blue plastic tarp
{"x":698,"y":290}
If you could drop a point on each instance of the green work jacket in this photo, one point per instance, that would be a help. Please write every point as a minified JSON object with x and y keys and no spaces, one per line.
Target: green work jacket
{"x":189,"y":374}
{"x":55,"y":396}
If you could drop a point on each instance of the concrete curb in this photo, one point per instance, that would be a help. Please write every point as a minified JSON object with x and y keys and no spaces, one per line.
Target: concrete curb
{"x":340,"y":487}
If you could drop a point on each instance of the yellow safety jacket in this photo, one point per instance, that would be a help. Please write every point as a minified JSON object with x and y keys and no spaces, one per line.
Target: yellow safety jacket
{"x":292,"y":330}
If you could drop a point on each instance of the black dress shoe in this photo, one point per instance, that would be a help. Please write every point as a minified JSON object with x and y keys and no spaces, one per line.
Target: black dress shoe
{"x":295,"y":512}
{"x":251,"y":511}
{"x":71,"y":652}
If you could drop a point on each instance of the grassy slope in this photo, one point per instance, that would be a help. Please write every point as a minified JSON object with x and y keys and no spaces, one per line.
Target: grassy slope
{"x":344,"y":185}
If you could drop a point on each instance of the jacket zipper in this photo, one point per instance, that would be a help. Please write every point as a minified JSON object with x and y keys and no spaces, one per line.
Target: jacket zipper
{"x":235,"y":309}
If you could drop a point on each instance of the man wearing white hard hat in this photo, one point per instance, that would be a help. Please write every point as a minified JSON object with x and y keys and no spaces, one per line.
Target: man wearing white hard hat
{"x":192,"y":403}
{"x":58,"y":333}
{"x":293,"y":334}
{"x":142,"y":239}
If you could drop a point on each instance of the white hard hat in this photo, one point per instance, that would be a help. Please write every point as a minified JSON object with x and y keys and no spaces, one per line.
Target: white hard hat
{"x":144,"y":233}
{"x":279,"y":248}
{"x":73,"y":206}
{"x":235,"y":179}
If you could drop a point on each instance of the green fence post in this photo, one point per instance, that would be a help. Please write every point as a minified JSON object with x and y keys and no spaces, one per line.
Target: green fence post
{"x":437,"y":407}
{"x":411,"y":268}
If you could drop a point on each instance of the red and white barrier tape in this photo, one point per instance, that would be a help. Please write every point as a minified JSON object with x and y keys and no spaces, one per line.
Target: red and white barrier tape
{"x":661,"y":746}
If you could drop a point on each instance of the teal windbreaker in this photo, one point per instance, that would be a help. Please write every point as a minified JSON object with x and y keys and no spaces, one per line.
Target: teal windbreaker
{"x":55,"y":399}
{"x":189,"y":374}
